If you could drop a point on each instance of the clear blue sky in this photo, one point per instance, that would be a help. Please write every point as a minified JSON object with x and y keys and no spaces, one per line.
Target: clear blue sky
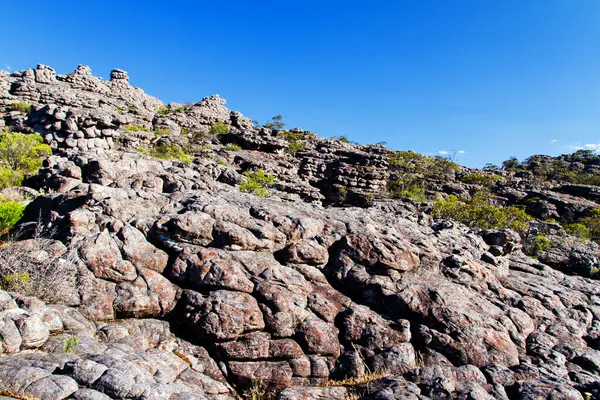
{"x":493,"y":78}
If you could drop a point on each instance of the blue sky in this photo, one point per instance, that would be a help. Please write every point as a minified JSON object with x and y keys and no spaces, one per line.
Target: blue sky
{"x":491,"y":78}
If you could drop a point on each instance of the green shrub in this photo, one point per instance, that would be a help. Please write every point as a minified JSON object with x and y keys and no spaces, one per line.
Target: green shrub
{"x":578,"y":230}
{"x":162,"y":110}
{"x":480,"y":179}
{"x":10,"y":213}
{"x":168,"y":152}
{"x":342,"y":193}
{"x":8,"y":178}
{"x":294,"y":147}
{"x":219,"y":128}
{"x":22,"y":153}
{"x":256,"y":182}
{"x":15,"y":282}
{"x":20,"y":106}
{"x":592,"y":223}
{"x":233,"y":147}
{"x":400,"y":189}
{"x":70,"y":343}
{"x":410,"y":162}
{"x":542,"y":244}
{"x":478,"y":212}
{"x":137,"y":128}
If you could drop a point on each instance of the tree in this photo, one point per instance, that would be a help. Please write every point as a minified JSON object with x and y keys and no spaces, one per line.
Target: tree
{"x":512,"y":162}
{"x":276,"y":123}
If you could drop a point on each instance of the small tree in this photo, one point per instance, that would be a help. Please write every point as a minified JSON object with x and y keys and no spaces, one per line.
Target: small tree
{"x":511,"y":163}
{"x":276,"y":123}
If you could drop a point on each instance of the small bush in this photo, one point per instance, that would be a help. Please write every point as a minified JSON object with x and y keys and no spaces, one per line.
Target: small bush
{"x":256,"y":182}
{"x":70,"y":343}
{"x":478,"y":212}
{"x":21,"y":154}
{"x":480,"y":179}
{"x":233,"y":147}
{"x":578,"y":230}
{"x":592,"y":223}
{"x":15,"y":282}
{"x":11,"y":212}
{"x":400,"y":189}
{"x":168,"y":152}
{"x":342,"y":193}
{"x":21,"y":107}
{"x":410,"y":162}
{"x":219,"y":128}
{"x":542,"y":244}
{"x":294,"y":148}
{"x":162,"y":110}
{"x":9,"y":178}
{"x":137,"y":128}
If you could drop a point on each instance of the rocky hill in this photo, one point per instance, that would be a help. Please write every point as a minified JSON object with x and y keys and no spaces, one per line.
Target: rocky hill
{"x":184,"y":252}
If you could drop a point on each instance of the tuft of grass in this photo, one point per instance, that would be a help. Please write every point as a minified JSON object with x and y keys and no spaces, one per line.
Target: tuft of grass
{"x":167,"y":152}
{"x":233,"y":147}
{"x":359,"y":380}
{"x":20,"y":106}
{"x":70,"y":343}
{"x":137,"y":128}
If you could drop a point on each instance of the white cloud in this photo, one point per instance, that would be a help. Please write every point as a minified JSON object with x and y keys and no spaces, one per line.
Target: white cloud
{"x":589,"y":146}
{"x":554,"y":141}
{"x":461,"y":152}
{"x":442,"y":152}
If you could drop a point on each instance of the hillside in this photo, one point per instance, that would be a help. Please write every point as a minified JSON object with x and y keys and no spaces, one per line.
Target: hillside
{"x":185,"y":252}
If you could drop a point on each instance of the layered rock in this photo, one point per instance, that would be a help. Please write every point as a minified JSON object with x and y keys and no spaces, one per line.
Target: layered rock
{"x":188,"y":288}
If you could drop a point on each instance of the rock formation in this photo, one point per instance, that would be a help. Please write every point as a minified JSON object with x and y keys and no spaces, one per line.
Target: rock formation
{"x":187,"y":288}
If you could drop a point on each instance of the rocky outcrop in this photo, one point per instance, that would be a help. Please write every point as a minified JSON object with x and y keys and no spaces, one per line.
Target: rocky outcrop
{"x":188,"y":288}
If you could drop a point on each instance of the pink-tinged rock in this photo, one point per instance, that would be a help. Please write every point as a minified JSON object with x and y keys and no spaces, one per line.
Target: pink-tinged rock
{"x":210,"y":268}
{"x":139,"y":252}
{"x":150,"y":295}
{"x":222,"y":314}
{"x":318,"y":337}
{"x":306,"y":252}
{"x":101,"y":255}
{"x":268,"y":372}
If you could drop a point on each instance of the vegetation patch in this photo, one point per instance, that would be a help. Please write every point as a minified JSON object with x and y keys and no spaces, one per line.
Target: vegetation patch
{"x":21,"y":155}
{"x":219,"y":128}
{"x":137,"y":128}
{"x":233,"y":147}
{"x":410,"y":162}
{"x":70,"y":343}
{"x":480,"y":179}
{"x":480,"y":213}
{"x":167,"y":152}
{"x":578,"y":230}
{"x":409,"y":188}
{"x":257,"y":182}
{"x":20,"y":106}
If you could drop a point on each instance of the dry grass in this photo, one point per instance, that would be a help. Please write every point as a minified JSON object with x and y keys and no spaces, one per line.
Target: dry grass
{"x":359,"y":380}
{"x":15,"y":395}
{"x":39,"y":267}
